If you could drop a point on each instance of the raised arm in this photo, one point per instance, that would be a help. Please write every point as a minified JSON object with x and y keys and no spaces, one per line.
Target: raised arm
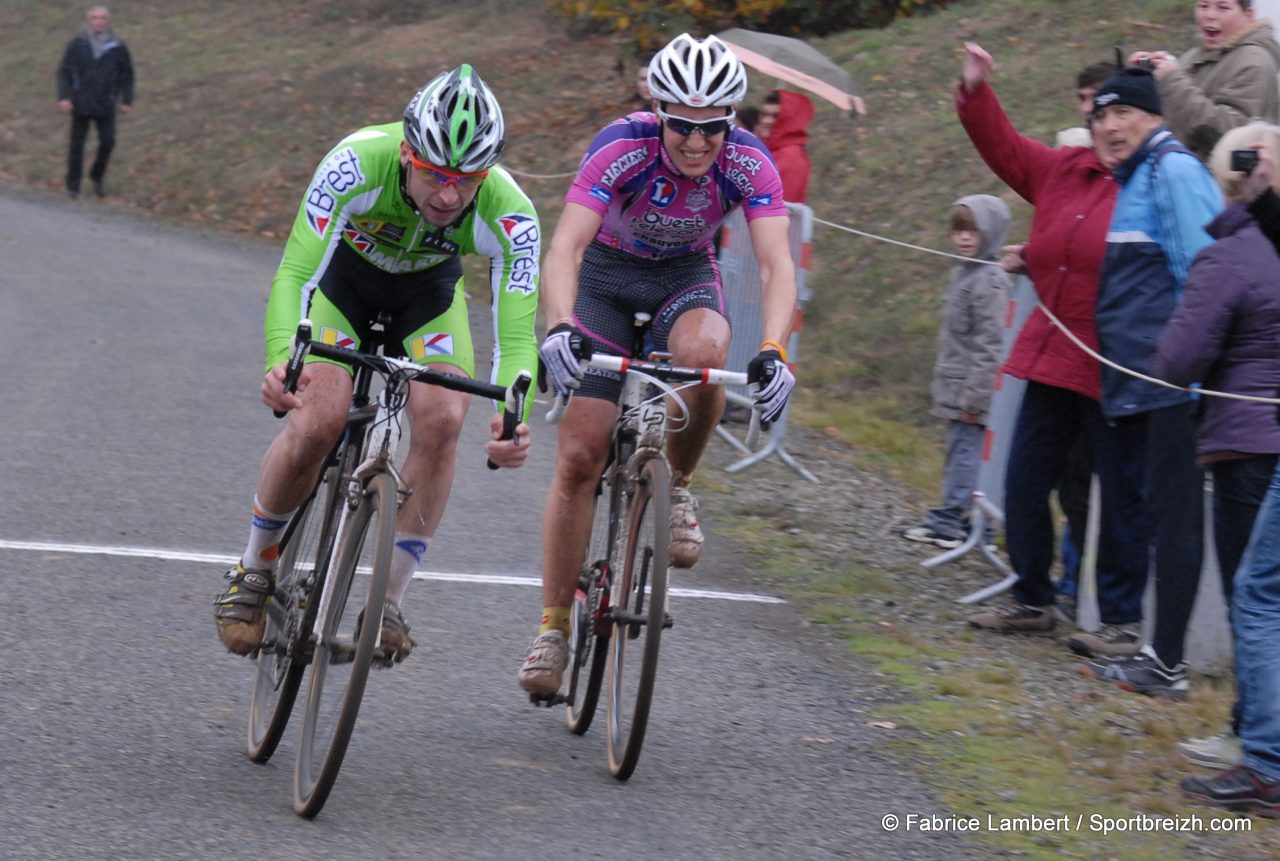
{"x":1020,"y":161}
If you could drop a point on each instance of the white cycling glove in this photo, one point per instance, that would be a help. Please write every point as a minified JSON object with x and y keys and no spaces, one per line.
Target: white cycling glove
{"x":565,"y":354}
{"x":774,"y":382}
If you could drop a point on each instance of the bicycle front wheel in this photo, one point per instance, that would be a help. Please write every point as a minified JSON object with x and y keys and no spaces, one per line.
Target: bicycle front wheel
{"x":588,"y":630}
{"x":347,"y":643}
{"x":279,"y":666}
{"x":639,"y":613}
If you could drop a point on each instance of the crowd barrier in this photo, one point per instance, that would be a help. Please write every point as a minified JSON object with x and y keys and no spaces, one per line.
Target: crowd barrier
{"x":740,"y":275}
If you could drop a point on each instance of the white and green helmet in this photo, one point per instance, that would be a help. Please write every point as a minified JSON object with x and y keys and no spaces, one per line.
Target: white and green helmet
{"x":455,"y":122}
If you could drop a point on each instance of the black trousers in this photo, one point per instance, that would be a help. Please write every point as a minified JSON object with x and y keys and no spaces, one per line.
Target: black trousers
{"x":75,"y":155}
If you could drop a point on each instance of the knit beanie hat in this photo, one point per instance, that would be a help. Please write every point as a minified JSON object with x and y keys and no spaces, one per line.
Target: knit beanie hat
{"x":1133,"y":86}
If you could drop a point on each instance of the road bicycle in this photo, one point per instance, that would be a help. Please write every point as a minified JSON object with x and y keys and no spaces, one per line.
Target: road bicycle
{"x":621,"y":603}
{"x":345,"y":527}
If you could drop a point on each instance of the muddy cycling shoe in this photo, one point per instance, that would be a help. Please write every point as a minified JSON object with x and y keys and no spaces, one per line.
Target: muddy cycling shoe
{"x":394,"y":639}
{"x":686,"y":535}
{"x":545,"y":664}
{"x":241,"y":611}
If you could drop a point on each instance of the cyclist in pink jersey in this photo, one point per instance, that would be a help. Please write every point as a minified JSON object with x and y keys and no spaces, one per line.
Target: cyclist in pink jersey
{"x":635,"y":235}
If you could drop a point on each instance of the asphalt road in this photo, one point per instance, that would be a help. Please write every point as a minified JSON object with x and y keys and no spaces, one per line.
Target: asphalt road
{"x":131,"y":435}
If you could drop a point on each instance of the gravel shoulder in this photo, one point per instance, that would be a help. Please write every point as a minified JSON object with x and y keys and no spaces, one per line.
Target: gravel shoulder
{"x":997,"y":725}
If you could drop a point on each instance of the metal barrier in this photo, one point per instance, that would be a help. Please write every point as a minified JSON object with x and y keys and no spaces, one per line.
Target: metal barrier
{"x":740,"y":275}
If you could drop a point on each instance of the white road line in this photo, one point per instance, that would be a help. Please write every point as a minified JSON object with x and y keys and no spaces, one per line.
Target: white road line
{"x":452,"y":577}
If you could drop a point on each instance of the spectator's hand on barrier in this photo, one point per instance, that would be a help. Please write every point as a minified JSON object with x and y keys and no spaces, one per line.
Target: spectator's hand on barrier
{"x":273,"y":393}
{"x":507,"y":453}
{"x":977,"y":65}
{"x":970,"y":418}
{"x":774,"y":382}
{"x":1012,"y":260}
{"x":565,"y":353}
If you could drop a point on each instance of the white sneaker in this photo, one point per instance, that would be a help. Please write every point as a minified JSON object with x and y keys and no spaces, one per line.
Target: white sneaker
{"x":686,"y":535}
{"x":1217,"y":751}
{"x":545,"y":664}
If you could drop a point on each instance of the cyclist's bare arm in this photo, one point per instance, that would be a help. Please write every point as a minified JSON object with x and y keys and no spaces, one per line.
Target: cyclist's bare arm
{"x":770,"y":236}
{"x":575,"y":230}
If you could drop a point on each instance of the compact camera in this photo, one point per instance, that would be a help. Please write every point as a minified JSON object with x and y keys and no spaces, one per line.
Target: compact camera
{"x":1244,"y":160}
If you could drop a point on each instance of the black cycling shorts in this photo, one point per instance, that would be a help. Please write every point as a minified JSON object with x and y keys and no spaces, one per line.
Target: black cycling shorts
{"x":428,"y":309}
{"x":613,"y":285}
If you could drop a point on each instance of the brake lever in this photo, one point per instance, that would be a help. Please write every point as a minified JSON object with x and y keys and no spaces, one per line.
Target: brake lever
{"x":301,"y":346}
{"x":513,"y":409}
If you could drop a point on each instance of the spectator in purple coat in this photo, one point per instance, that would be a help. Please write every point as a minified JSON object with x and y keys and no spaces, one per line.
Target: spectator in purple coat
{"x":1223,"y":336}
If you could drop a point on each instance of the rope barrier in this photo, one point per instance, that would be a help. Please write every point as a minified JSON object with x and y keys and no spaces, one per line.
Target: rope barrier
{"x":1088,"y":351}
{"x":541,"y":175}
{"x":1085,"y":348}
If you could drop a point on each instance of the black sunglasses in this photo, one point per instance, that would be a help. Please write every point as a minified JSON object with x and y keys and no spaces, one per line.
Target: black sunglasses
{"x":684,"y":126}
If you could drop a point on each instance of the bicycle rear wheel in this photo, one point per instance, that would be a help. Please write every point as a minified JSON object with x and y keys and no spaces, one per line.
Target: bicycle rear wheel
{"x":279,"y":666}
{"x":345,"y":650}
{"x":639,"y":613}
{"x":588,"y":629}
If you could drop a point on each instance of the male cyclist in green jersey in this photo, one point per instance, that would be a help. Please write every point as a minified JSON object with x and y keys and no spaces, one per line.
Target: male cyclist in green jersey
{"x":381,"y":228}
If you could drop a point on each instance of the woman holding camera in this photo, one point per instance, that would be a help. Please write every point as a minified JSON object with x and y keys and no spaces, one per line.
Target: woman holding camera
{"x":1224,"y":336}
{"x":1225,"y":82}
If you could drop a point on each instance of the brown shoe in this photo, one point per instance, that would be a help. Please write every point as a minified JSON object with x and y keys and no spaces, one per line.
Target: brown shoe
{"x":1110,"y":641}
{"x":1015,"y":618}
{"x":241,"y":611}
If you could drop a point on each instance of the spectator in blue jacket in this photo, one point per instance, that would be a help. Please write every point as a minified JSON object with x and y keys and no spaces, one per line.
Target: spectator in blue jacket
{"x":1166,"y":198}
{"x":95,"y":74}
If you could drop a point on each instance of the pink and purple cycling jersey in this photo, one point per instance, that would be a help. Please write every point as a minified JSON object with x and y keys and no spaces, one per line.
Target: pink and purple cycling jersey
{"x":649,"y":208}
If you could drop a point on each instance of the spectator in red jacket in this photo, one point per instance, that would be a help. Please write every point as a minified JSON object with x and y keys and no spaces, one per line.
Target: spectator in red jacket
{"x":1073,"y":195}
{"x":784,"y":126}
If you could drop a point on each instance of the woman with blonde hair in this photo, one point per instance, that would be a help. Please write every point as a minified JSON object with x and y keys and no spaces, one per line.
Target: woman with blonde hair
{"x":1223,"y":336}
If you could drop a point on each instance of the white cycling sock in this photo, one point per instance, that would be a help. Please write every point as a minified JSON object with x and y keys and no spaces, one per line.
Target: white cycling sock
{"x":408,"y":552}
{"x":264,"y":537}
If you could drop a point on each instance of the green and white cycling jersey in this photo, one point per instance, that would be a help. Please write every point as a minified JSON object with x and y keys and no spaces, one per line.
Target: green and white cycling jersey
{"x":354,"y":199}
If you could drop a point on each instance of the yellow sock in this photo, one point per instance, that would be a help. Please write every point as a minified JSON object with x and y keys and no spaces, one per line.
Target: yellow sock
{"x":555,"y":619}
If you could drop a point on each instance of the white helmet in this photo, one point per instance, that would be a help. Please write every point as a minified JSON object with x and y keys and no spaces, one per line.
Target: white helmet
{"x":455,"y":122}
{"x":697,"y":74}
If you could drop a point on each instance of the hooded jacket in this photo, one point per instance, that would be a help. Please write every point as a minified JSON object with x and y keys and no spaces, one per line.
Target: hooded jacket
{"x":1214,"y":91}
{"x":787,"y":141}
{"x":1073,"y":195}
{"x":972,"y":329}
{"x":94,"y":84}
{"x":1167,"y":199}
{"x":1224,"y":336}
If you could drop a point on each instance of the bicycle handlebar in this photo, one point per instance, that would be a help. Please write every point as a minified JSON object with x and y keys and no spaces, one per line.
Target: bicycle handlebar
{"x":667,"y":372}
{"x":513,"y":398}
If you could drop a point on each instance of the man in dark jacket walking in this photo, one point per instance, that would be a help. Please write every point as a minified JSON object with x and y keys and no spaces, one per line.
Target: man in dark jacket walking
{"x":94,"y":75}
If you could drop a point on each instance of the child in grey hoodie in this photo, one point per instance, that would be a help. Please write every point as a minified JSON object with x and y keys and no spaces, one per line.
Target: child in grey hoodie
{"x":964,"y":374}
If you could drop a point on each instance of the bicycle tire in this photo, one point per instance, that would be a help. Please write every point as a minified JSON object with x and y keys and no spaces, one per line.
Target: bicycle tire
{"x":639,"y":613}
{"x":323,"y":742}
{"x":278,"y":666}
{"x":588,"y":633}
